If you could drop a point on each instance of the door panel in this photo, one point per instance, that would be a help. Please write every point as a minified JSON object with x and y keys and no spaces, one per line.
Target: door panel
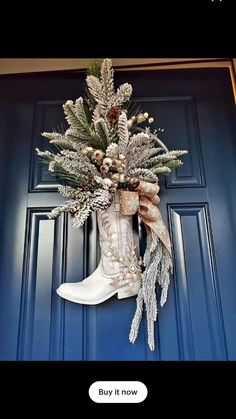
{"x":47,"y":114}
{"x":196,"y":287}
{"x":196,"y":110}
{"x":184,"y":129}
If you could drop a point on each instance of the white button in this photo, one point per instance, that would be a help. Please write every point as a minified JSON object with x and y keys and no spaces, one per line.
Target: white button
{"x":118,"y":392}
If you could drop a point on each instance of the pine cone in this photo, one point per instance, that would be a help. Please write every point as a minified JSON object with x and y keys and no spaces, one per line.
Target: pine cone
{"x":113,"y":115}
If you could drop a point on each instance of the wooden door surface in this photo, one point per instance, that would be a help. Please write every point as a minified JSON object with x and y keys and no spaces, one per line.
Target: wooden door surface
{"x":196,"y":109}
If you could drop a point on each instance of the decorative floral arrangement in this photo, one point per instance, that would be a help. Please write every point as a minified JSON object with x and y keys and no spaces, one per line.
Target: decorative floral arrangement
{"x":109,"y":146}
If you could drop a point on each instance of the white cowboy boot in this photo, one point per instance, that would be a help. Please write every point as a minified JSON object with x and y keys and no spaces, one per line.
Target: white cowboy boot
{"x":119,"y":269}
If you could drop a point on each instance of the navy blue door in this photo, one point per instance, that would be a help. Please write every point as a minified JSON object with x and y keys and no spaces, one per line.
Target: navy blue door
{"x":196,"y":109}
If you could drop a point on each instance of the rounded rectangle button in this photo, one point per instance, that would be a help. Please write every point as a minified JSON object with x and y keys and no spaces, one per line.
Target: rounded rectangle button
{"x":118,"y":392}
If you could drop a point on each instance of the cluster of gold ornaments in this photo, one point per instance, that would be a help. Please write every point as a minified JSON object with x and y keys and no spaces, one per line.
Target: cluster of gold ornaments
{"x":142,"y":117}
{"x":112,"y":166}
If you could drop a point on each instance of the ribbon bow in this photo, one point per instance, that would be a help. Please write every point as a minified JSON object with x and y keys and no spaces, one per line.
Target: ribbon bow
{"x":143,"y":201}
{"x":157,"y":258}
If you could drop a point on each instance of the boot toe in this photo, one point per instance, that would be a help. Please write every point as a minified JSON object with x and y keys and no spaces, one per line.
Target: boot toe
{"x":65,"y":290}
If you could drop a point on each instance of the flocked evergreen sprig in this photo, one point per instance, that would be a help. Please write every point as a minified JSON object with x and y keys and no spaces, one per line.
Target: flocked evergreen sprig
{"x":105,"y":147}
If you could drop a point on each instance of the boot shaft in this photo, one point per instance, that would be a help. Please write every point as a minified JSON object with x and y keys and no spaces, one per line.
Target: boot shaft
{"x":115,"y":235}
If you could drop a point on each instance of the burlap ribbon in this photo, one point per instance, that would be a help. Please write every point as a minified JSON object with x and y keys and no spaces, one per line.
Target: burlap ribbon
{"x":143,"y":201}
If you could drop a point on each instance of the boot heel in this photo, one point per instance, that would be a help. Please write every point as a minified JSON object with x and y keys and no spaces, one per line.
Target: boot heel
{"x":127,"y":291}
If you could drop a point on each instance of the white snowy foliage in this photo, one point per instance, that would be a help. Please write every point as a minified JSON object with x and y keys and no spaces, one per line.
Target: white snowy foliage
{"x":123,"y":133}
{"x":102,"y":130}
{"x":138,"y":140}
{"x":95,"y":88}
{"x":145,"y":156}
{"x":143,"y":174}
{"x":122,"y":95}
{"x":107,"y":80}
{"x":103,"y":90}
{"x":96,"y":113}
{"x":112,"y":150}
{"x":46,"y":153}
{"x":161,"y":170}
{"x":82,"y":204}
{"x":139,"y":156}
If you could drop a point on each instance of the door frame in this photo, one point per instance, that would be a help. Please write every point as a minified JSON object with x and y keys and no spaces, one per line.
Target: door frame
{"x":155,"y":64}
{"x":221,"y":63}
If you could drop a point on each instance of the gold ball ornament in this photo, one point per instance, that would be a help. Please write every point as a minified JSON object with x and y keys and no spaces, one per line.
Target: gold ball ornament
{"x":104,"y":169}
{"x":117,"y":162}
{"x":98,"y":155}
{"x":107,"y":181}
{"x":134,"y":181}
{"x":121,"y":157}
{"x":115,"y":177}
{"x":107,"y":161}
{"x":140,"y":118}
{"x":122,"y":178}
{"x":129,"y":123}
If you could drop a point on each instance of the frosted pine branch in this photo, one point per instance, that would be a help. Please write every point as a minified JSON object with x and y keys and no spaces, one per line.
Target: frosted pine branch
{"x":84,"y":129}
{"x":81,"y":216}
{"x":102,"y":131}
{"x":123,"y":133}
{"x":63,"y":141}
{"x":83,"y":204}
{"x":52,"y":135}
{"x":107,"y":75}
{"x":165,"y":157}
{"x":95,"y":88}
{"x":178,"y":153}
{"x":164,"y":170}
{"x":96,"y":112}
{"x":68,"y":191}
{"x":67,"y":144}
{"x":138,"y":140}
{"x":71,"y":117}
{"x":113,"y":134}
{"x":143,"y":174}
{"x":112,"y":150}
{"x":76,"y":117}
{"x":138,"y":157}
{"x":174,"y":164}
{"x":47,"y":154}
{"x":168,"y":159}
{"x":73,"y":134}
{"x":122,"y":95}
